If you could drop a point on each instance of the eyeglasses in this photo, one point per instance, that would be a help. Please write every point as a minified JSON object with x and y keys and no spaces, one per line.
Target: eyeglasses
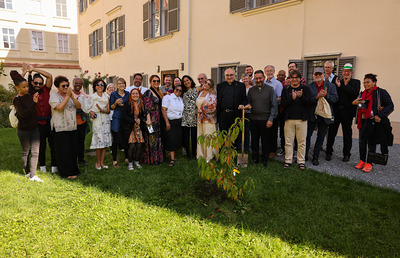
{"x":200,"y":79}
{"x":294,"y":78}
{"x":229,"y":75}
{"x":178,"y":90}
{"x":38,"y":83}
{"x":64,"y":86}
{"x":100,"y":84}
{"x":156,"y":81}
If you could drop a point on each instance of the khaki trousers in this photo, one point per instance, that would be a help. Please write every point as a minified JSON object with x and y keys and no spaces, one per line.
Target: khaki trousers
{"x":202,"y":151}
{"x":295,"y":129}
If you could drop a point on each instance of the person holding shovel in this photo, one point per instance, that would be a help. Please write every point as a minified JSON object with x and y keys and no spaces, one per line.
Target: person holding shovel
{"x":264,"y":109}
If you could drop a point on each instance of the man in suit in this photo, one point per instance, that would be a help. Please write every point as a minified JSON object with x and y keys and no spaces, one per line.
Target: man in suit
{"x":348,"y":90}
{"x":231,"y":98}
{"x":319,"y":89}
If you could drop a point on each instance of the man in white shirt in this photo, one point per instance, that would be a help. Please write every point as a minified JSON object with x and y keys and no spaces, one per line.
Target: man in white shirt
{"x":137,"y":83}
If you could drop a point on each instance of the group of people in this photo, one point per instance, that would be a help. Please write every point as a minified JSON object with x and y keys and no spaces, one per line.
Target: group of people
{"x":147,"y":122}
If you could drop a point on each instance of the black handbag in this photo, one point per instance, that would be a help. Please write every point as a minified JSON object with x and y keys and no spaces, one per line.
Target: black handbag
{"x":377,"y":158}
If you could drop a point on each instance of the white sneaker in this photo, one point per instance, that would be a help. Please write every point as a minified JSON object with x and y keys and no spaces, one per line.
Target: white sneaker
{"x":43,"y":169}
{"x":35,"y":178}
{"x":53,"y":169}
{"x":137,"y":164}
{"x":130,"y":166}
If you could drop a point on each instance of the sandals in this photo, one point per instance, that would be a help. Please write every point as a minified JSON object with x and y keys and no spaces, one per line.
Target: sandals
{"x":286,"y":165}
{"x":115,"y":165}
{"x":302,"y":166}
{"x":171,"y":164}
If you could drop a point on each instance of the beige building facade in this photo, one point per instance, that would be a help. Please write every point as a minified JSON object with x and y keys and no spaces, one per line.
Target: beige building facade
{"x":123,"y":37}
{"x":39,"y":32}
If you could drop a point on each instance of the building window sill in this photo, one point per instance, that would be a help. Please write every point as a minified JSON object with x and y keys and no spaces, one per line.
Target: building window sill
{"x":271,"y":7}
{"x":160,"y":38}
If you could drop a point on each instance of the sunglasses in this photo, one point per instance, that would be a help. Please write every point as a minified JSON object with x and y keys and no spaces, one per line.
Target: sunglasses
{"x":178,"y":90}
{"x":156,"y":80}
{"x":100,"y":84}
{"x":64,"y":86}
{"x":38,"y":83}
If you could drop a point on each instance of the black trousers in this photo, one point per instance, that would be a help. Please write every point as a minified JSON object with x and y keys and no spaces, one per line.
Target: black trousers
{"x":46,"y":133}
{"x":322,"y":130}
{"x":225,"y":120}
{"x":258,"y":129}
{"x":366,"y":139}
{"x":189,"y":134}
{"x":345,"y":119}
{"x":66,"y":150}
{"x":274,"y":136}
{"x":81,"y":131}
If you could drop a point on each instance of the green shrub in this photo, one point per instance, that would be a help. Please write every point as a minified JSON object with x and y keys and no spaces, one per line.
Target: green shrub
{"x":7,"y":95}
{"x":4,"y":111}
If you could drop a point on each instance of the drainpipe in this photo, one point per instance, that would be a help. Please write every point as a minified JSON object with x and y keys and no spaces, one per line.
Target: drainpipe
{"x":188,"y":40}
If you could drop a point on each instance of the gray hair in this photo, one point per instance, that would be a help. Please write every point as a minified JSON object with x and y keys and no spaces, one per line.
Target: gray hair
{"x":332,"y":63}
{"x":273,"y":67}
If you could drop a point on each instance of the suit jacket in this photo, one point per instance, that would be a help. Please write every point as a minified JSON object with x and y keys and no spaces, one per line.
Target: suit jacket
{"x":331,"y":96}
{"x":239,"y":99}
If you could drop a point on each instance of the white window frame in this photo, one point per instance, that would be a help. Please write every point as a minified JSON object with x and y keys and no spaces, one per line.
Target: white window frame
{"x":96,"y":43}
{"x":35,"y":6}
{"x":160,"y":16}
{"x":10,"y":38}
{"x":7,"y":4}
{"x":61,"y":8}
{"x":114,"y":43}
{"x":61,"y":47}
{"x":40,"y":48}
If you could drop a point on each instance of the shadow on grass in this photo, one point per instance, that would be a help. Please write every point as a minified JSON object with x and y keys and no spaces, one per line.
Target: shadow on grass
{"x":306,"y":208}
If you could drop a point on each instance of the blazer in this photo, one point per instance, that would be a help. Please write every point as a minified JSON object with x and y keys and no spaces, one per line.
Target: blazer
{"x":239,"y":99}
{"x":331,"y":97}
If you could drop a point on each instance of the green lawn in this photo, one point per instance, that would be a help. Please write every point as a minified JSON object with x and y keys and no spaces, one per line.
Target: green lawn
{"x":162,"y":211}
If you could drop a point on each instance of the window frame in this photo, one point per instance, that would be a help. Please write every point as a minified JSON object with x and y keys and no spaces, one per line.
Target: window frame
{"x":34,"y":5}
{"x":9,"y":41}
{"x":58,"y":43}
{"x":246,"y":5}
{"x":82,"y":5}
{"x":96,"y":43}
{"x":115,"y":34}
{"x":8,"y":4}
{"x":32,"y":41}
{"x":63,"y":8}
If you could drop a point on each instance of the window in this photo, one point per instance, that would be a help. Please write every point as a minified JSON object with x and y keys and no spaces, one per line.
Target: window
{"x":37,"y":40}
{"x":96,"y":43}
{"x":243,"y":5}
{"x":35,"y":6}
{"x":218,"y":73}
{"x":115,"y":33}
{"x":306,"y":67}
{"x":61,"y":8}
{"x":160,"y":17}
{"x":63,"y":43}
{"x":91,"y":1}
{"x":6,"y":4}
{"x":8,"y":38}
{"x":82,"y":5}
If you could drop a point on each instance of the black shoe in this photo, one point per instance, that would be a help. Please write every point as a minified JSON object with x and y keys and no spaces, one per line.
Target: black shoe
{"x":265,"y":164}
{"x":255,"y":161}
{"x":306,"y":158}
{"x":328,"y":157}
{"x":346,"y":158}
{"x":84,"y":163}
{"x":315,"y":162}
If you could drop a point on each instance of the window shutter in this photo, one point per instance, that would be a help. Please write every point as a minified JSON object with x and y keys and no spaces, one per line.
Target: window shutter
{"x":237,"y":6}
{"x":302,"y":66}
{"x":145,"y":80}
{"x":108,"y":36}
{"x":214,"y":75}
{"x":100,"y":41}
{"x":131,"y":80}
{"x":146,"y":21}
{"x":240,"y":70}
{"x":261,"y":3}
{"x":121,"y":31}
{"x":91,"y":44}
{"x":173,"y":16}
{"x":344,"y":60}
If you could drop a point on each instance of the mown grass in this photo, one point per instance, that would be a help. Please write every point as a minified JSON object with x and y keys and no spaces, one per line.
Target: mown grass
{"x":163,"y":211}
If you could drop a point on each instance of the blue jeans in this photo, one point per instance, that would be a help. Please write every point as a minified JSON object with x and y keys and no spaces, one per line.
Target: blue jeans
{"x":30,"y":142}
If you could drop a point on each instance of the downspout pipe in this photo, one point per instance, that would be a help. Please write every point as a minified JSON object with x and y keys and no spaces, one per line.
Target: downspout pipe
{"x":188,"y":40}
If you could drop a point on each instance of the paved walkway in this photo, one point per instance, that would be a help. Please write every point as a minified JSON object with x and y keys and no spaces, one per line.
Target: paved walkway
{"x":385,"y":176}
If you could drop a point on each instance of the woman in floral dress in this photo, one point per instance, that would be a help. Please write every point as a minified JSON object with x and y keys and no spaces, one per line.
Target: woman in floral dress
{"x":98,"y":107}
{"x":153,"y":142}
{"x":189,"y":118}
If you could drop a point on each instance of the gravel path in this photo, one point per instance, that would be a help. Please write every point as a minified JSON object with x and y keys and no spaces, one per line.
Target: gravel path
{"x":384,"y":176}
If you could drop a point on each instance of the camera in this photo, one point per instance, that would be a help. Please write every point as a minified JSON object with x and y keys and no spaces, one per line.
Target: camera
{"x":363,"y":103}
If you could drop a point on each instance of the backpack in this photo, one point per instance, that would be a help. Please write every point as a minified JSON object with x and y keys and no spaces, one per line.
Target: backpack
{"x":13,"y":117}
